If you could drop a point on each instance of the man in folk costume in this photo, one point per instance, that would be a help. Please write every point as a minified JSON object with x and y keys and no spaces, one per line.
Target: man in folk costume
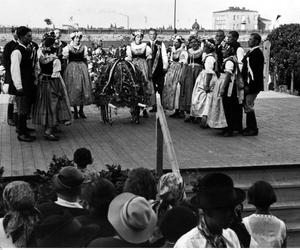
{"x":253,"y":76}
{"x":22,"y":75}
{"x":159,"y":63}
{"x":8,"y":49}
{"x":220,"y":46}
{"x":232,"y":90}
{"x":217,"y":197}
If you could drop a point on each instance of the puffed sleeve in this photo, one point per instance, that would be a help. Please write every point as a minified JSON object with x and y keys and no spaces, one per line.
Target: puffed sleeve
{"x":209,"y":64}
{"x":128,"y":53}
{"x":56,"y":68}
{"x":148,"y":52}
{"x":183,"y":58}
{"x":65,"y":52}
{"x":85,"y":52}
{"x":229,"y":67}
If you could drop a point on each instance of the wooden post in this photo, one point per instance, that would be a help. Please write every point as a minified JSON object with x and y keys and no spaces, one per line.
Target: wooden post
{"x":160,"y":117}
{"x":266,"y":51}
{"x":159,"y":149}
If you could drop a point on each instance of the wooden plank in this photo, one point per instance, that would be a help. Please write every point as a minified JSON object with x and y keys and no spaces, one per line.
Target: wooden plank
{"x":167,"y":137}
{"x":159,"y":149}
{"x":6,"y":149}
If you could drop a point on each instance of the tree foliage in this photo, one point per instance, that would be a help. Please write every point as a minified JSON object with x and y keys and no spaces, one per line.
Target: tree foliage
{"x":285,"y":51}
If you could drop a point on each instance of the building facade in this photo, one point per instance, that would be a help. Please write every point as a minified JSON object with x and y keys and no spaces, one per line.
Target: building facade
{"x":235,"y":18}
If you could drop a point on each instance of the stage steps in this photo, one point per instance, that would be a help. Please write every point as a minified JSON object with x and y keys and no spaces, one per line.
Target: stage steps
{"x":284,"y":178}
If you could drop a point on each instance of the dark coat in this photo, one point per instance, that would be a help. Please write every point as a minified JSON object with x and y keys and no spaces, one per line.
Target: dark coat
{"x":256,"y":63}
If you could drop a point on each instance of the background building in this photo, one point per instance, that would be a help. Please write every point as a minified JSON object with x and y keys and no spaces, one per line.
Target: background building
{"x":235,"y":18}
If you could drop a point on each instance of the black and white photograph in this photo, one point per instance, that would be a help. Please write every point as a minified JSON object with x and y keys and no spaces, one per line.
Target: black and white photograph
{"x":149,"y":124}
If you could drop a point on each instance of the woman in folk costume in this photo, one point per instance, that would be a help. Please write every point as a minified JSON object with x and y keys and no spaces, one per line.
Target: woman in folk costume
{"x":232,"y":93}
{"x":205,"y":82}
{"x":52,"y":105}
{"x":189,"y":75}
{"x":171,"y":90}
{"x":140,"y":55}
{"x":76,"y":75}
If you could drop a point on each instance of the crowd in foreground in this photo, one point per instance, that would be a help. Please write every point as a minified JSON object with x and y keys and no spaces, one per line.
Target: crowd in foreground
{"x":88,"y":212}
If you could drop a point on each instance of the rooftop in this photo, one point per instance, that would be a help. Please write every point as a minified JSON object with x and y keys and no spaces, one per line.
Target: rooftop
{"x":235,"y":9}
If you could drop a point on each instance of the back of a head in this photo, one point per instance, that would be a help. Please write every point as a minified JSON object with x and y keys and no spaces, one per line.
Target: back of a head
{"x":83,"y":157}
{"x":99,"y":194}
{"x":261,"y":194}
{"x":141,"y":182}
{"x":22,"y":31}
{"x":68,"y":182}
{"x":178,"y":221}
{"x":234,"y":34}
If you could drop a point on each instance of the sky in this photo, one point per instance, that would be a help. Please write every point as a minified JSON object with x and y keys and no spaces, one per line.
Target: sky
{"x":140,"y":13}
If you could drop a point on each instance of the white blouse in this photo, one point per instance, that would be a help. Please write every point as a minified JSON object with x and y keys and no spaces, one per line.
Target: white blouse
{"x":138,"y":49}
{"x":267,"y":230}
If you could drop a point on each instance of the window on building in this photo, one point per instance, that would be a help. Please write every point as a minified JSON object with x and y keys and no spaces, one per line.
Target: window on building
{"x":233,"y":17}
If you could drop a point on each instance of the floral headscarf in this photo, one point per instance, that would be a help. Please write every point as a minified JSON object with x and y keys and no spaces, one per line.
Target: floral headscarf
{"x":171,"y":186}
{"x":18,"y":222}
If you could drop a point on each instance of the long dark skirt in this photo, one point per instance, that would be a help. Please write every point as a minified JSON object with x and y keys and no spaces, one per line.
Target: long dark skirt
{"x":188,"y":79}
{"x":52,"y":104}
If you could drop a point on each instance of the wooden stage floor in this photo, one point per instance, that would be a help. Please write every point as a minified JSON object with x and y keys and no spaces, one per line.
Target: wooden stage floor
{"x":133,"y":146}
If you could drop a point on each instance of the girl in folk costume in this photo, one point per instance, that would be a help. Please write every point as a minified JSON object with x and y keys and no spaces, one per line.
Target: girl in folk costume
{"x":232,"y":93}
{"x":205,"y":82}
{"x":189,"y":75}
{"x":76,"y":75}
{"x":140,"y":55}
{"x":52,"y":105}
{"x":171,"y":90}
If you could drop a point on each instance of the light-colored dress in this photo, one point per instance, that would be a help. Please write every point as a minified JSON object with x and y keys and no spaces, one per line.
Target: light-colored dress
{"x":76,"y":75}
{"x":138,"y":54}
{"x":171,"y":91}
{"x":201,"y":100}
{"x":267,"y":230}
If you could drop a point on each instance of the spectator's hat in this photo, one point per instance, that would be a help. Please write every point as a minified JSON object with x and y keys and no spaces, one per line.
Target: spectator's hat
{"x":216,"y":190}
{"x":132,"y":217}
{"x":68,"y":178}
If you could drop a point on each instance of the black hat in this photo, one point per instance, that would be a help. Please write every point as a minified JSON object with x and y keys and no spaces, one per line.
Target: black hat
{"x":49,"y":41}
{"x":68,"y":178}
{"x":62,"y":230}
{"x":217,"y":191}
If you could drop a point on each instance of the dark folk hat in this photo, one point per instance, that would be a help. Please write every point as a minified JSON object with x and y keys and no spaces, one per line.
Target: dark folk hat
{"x":216,"y":190}
{"x":68,"y":178}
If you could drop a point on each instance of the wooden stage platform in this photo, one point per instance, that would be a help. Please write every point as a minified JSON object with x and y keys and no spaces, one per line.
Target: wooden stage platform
{"x":133,"y":146}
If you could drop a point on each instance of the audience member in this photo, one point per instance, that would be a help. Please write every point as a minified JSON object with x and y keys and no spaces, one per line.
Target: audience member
{"x":217,"y":197}
{"x":141,"y":182}
{"x":62,"y":230}
{"x":16,"y":227}
{"x":98,"y":195}
{"x":133,"y":219}
{"x":265,"y":228}
{"x":176,"y":222}
{"x":83,"y":157}
{"x":67,"y":185}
